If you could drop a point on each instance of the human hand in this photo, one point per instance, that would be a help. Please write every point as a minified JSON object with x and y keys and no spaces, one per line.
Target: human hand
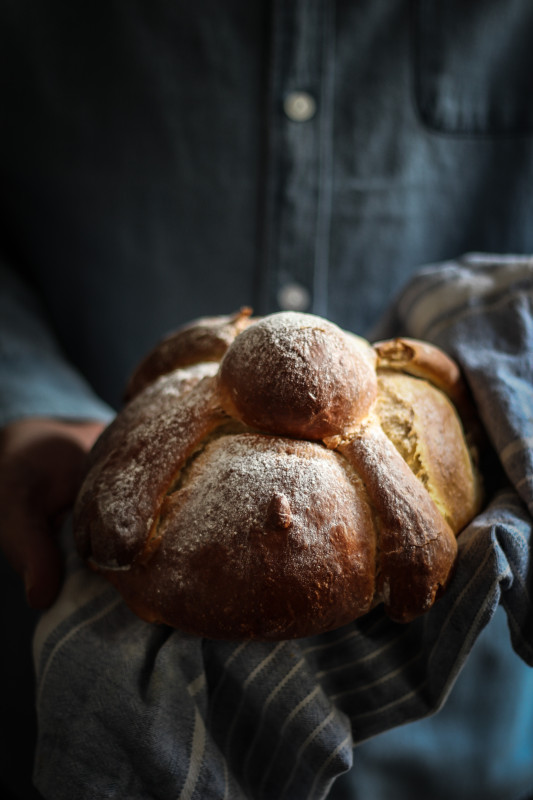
{"x":41,"y":466}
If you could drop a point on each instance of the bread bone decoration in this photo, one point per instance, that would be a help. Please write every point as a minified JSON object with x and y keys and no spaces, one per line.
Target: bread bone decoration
{"x":278,"y":478}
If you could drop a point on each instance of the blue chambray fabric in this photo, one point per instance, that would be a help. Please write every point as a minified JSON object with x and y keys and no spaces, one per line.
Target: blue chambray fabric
{"x":128,"y":709}
{"x":36,"y":378}
{"x":150,"y":174}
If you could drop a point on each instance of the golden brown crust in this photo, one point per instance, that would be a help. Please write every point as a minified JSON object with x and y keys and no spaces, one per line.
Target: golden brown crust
{"x":120,"y":501}
{"x":416,"y":546}
{"x":284,"y":491}
{"x":298,"y":375}
{"x":201,"y":341}
{"x":424,"y":426}
{"x":424,"y":360}
{"x":252,"y":507}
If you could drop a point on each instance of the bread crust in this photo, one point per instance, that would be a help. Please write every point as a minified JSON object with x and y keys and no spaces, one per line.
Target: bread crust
{"x":301,"y":376}
{"x":266,"y":535}
{"x":424,"y":360}
{"x":204,"y":340}
{"x":284,"y":484}
{"x":417,"y":546}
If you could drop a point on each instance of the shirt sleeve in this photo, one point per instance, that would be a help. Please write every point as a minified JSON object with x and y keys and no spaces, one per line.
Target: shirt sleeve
{"x":35,"y":377}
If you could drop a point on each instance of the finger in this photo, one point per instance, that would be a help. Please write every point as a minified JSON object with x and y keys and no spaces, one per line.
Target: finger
{"x":32,"y":550}
{"x":41,"y":464}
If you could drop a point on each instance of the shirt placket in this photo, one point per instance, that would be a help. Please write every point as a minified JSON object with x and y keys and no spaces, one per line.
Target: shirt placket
{"x":295,"y":262}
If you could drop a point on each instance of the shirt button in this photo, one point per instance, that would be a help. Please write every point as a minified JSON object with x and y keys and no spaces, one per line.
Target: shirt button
{"x":294,"y":297}
{"x":299,"y":106}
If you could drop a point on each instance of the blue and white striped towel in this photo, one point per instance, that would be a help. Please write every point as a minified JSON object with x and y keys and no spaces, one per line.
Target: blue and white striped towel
{"x":132,"y":710}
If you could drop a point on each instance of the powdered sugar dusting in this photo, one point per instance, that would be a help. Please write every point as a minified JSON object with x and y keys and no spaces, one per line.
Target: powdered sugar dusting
{"x":298,"y":375}
{"x":139,"y":457}
{"x":284,"y":327}
{"x":249,"y":487}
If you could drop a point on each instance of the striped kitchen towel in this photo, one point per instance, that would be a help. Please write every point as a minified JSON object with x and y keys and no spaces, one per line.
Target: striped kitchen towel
{"x":132,"y":710}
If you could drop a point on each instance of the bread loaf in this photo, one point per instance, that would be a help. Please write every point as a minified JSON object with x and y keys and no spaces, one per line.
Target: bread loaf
{"x":276,"y":478}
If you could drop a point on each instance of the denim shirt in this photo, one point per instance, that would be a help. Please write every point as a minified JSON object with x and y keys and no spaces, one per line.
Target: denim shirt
{"x":164,"y":161}
{"x":167,"y":160}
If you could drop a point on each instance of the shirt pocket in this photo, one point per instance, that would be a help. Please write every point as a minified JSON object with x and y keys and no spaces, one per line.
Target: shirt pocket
{"x":474,"y":66}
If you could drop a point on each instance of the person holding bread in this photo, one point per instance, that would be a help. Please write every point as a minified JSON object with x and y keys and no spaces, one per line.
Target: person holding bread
{"x":360,"y":171}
